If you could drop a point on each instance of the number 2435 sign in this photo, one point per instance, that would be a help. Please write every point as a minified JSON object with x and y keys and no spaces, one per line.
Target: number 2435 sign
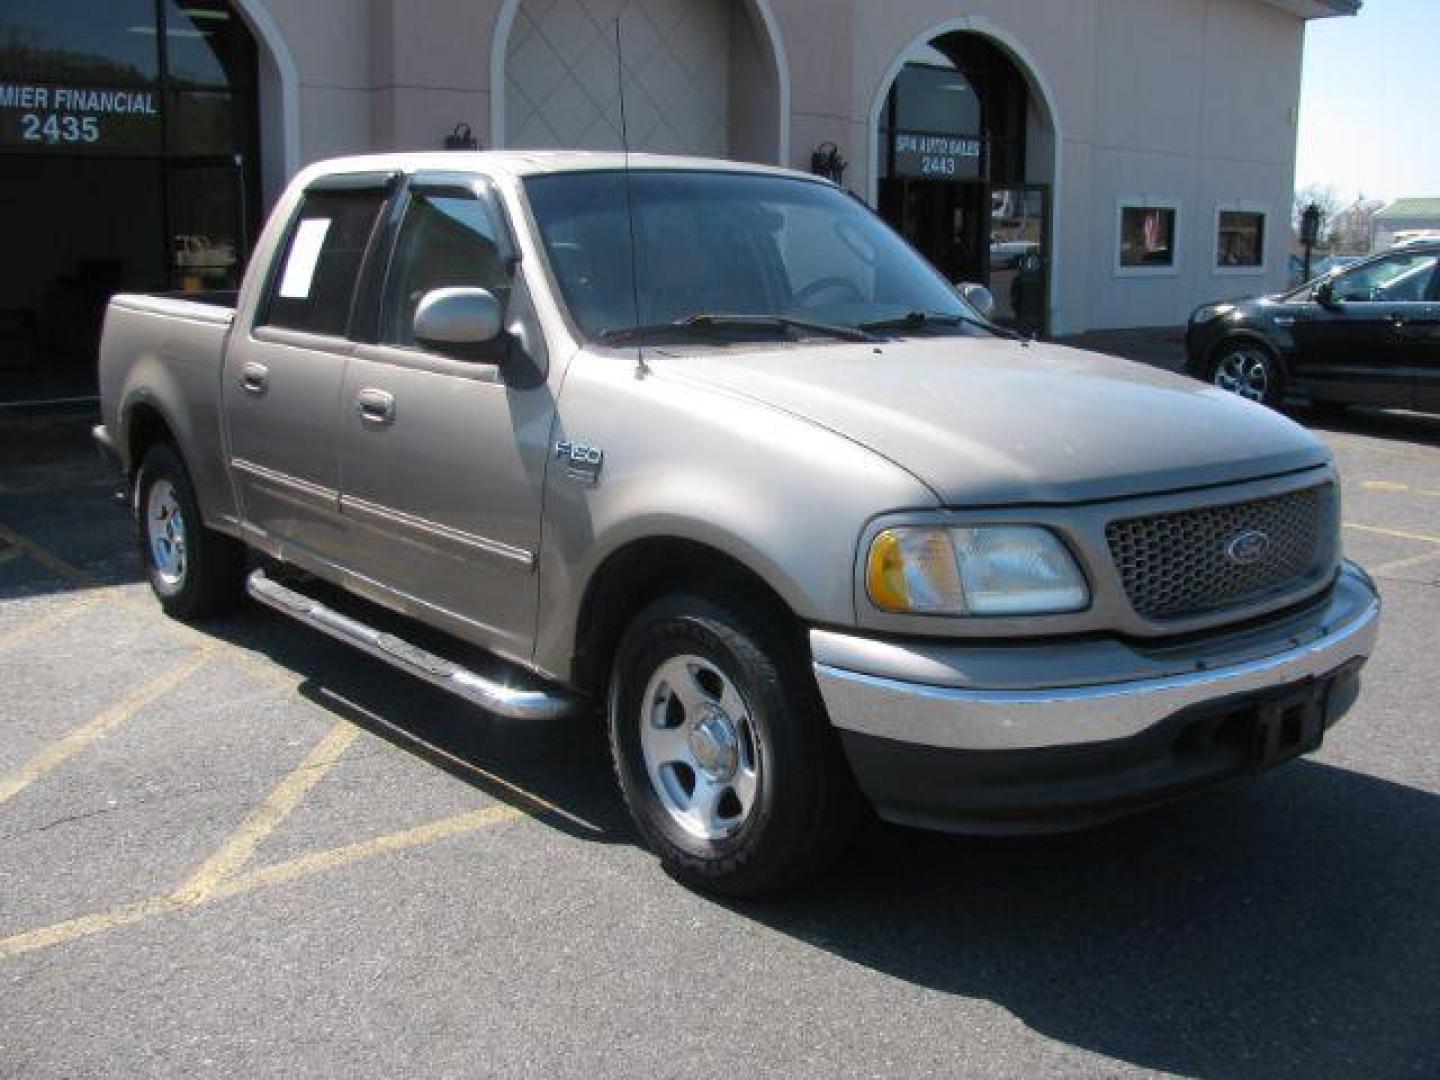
{"x":36,"y":116}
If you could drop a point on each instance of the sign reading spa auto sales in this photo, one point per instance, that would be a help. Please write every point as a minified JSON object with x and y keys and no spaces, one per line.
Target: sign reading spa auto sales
{"x":936,"y":157}
{"x":40,"y":116}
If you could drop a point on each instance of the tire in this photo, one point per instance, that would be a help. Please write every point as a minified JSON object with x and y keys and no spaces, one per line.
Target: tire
{"x":1248,"y":369}
{"x":693,"y":662}
{"x":193,"y":571}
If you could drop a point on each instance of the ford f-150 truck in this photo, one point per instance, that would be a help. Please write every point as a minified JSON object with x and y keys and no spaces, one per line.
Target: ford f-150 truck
{"x":709,"y":448}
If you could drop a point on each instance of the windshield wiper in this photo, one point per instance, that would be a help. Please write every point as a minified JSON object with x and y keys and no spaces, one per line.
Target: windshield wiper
{"x":706,"y":321}
{"x":917,"y":320}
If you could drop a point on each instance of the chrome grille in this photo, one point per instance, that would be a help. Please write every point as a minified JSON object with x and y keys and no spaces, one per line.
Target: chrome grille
{"x":1191,"y":562}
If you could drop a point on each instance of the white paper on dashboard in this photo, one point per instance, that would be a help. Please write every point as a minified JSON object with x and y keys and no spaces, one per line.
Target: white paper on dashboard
{"x":304,"y":255}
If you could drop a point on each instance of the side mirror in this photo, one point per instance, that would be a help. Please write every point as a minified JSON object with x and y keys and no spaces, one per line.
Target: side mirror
{"x":461,"y":321}
{"x":978,"y":297}
{"x":1324,"y":295}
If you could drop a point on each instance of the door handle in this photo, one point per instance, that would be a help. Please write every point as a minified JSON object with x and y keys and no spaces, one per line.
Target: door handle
{"x":375,"y":406}
{"x":254,"y":378}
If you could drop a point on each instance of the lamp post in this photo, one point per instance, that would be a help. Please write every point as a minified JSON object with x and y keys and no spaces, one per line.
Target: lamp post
{"x":1309,"y":234}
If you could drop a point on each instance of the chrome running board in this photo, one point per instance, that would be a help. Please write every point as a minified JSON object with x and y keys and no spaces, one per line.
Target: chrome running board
{"x":516,"y":702}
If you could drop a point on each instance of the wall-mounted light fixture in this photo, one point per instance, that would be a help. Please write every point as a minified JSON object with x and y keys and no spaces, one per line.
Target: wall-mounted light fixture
{"x":827,"y":162}
{"x":461,"y":139}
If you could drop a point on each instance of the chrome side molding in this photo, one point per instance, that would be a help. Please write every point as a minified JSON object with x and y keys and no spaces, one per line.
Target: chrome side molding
{"x":515,"y":702}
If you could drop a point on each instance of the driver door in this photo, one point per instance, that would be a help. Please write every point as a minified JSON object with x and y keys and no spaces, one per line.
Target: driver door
{"x":1362,"y":348}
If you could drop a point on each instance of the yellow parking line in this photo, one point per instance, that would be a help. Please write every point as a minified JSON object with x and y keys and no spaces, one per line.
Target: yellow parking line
{"x":236,"y":851}
{"x":101,"y":725}
{"x":306,"y":865}
{"x":300,"y":867}
{"x":45,"y":557}
{"x":1399,"y":534}
{"x":43,"y":623}
{"x":84,"y":926}
{"x":1404,"y":564}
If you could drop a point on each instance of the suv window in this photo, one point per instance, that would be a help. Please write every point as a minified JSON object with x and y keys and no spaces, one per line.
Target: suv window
{"x":447,"y":239}
{"x":313,"y":290}
{"x":1397,"y":279}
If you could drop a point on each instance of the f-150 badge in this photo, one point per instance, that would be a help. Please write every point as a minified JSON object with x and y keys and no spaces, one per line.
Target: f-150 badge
{"x":582,"y":463}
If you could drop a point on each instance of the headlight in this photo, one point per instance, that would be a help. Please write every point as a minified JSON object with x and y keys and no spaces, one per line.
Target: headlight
{"x":1210,"y":312}
{"x":980,"y":570}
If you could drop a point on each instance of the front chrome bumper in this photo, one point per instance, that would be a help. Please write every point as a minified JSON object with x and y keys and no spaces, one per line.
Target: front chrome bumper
{"x":1047,"y":737}
{"x":975,"y":698}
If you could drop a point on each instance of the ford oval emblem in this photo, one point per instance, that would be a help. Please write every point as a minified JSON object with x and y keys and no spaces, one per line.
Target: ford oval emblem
{"x":1248,"y":547}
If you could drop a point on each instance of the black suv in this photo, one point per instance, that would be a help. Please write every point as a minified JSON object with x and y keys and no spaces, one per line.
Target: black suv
{"x":1366,"y":335}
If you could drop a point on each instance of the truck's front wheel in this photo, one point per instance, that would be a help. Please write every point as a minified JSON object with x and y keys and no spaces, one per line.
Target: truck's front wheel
{"x":193,"y":570}
{"x":723,"y":752}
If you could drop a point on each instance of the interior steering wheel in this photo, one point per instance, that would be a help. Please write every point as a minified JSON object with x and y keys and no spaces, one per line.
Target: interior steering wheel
{"x":819,"y":285}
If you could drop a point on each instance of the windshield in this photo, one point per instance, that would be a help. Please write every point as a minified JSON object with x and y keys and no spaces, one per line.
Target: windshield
{"x":786,"y":252}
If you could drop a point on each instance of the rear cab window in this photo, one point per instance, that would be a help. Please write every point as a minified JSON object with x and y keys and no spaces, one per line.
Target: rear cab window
{"x":313,"y":283}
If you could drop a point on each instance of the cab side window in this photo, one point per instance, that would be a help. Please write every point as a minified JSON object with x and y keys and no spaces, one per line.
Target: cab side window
{"x":447,"y":240}
{"x":316,"y":280}
{"x":1396,"y":280}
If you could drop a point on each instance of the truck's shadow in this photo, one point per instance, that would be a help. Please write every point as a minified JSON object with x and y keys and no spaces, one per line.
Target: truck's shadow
{"x":1289,"y":927}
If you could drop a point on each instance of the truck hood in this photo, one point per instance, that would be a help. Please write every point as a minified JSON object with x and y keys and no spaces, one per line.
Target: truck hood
{"x":988,"y":421}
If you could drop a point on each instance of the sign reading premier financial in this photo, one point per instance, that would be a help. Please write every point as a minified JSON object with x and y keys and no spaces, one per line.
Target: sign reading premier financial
{"x":40,"y":117}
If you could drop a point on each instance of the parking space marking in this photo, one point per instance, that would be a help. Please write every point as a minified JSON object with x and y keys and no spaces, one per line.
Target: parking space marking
{"x":101,"y":725}
{"x":1397,"y":488}
{"x":1404,"y":564}
{"x":85,"y":925}
{"x":1399,"y":534}
{"x":45,"y":557}
{"x":238,"y":849}
{"x":26,"y":631}
{"x":333,"y":858}
{"x":279,"y":873}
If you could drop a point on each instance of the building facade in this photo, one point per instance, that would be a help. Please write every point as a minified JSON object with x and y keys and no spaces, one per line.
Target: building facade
{"x":1099,"y":163}
{"x":1402,"y":219}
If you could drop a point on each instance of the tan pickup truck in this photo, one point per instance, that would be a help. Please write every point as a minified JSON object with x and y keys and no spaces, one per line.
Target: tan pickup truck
{"x":707,"y":448}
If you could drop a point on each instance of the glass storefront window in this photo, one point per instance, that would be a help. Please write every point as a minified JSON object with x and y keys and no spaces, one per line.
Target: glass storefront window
{"x":78,"y":41}
{"x":1147,"y":237}
{"x":1240,"y":240}
{"x":201,"y":123}
{"x":207,"y":45}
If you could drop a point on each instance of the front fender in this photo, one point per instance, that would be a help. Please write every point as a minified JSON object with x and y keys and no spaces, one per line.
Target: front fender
{"x":784,"y":498}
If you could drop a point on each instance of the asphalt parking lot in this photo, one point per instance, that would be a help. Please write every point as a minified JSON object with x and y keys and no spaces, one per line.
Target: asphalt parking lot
{"x":243,"y":850}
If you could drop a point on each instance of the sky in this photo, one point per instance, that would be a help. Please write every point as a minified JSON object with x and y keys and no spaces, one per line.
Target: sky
{"x":1370,"y":102}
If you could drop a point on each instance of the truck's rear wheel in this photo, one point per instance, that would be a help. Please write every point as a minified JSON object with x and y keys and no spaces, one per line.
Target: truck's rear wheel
{"x":193,"y":570}
{"x":722,"y":748}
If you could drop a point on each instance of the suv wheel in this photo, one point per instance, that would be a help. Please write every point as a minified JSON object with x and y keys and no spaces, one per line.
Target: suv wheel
{"x":193,"y":570}
{"x":1248,"y":369}
{"x":722,"y":748}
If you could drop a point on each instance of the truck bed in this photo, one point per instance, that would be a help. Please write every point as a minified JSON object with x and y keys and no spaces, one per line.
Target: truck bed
{"x":166,"y":350}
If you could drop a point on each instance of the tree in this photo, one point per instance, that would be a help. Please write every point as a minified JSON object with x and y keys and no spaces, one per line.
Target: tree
{"x":1351,"y":229}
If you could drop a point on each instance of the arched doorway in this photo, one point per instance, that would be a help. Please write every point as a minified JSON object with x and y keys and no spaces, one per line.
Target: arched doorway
{"x":130,"y":139}
{"x":705,"y":77}
{"x":965,"y":168}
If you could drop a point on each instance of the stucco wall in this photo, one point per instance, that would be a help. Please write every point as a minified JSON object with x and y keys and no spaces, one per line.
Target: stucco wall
{"x":1191,"y":101}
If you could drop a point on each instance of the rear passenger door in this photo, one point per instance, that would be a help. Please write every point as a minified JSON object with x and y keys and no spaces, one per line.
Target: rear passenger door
{"x":443,"y":457}
{"x":1424,"y":330}
{"x":284,"y":373}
